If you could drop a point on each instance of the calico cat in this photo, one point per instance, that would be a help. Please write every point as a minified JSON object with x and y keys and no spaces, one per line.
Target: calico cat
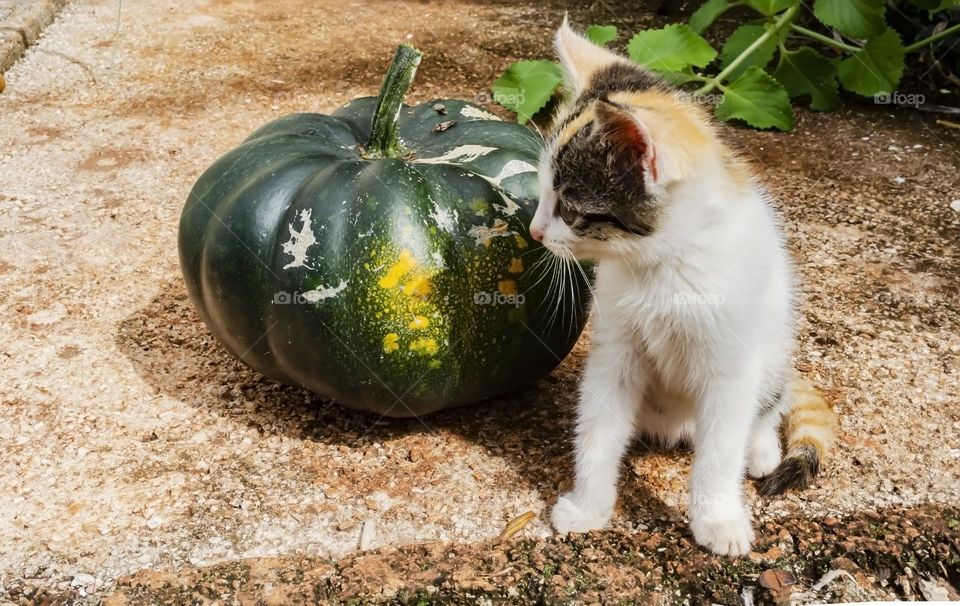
{"x":694,"y":308}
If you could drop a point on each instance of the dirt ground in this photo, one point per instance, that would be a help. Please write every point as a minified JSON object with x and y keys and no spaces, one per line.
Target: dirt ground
{"x":130,"y":440}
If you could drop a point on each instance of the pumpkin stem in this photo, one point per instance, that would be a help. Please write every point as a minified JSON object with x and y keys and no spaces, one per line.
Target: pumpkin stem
{"x":384,"y":138}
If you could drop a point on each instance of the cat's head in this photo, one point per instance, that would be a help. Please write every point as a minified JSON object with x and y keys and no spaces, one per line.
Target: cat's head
{"x":619,"y":146}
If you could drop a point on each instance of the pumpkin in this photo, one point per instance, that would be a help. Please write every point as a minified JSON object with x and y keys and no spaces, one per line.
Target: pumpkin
{"x":380,"y":256}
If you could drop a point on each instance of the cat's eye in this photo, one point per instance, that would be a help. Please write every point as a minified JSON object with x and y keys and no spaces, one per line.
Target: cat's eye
{"x":568,"y":215}
{"x":614,"y":221}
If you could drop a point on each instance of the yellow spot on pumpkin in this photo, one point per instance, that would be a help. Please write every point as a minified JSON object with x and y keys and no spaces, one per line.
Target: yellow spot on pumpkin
{"x":434,"y":363}
{"x":405,"y":263}
{"x":419,"y":322}
{"x":424,"y":347}
{"x":419,"y":286}
{"x":516,"y":266}
{"x":480,"y":207}
{"x":507,"y":287}
{"x":521,"y":242}
{"x":390,"y":342}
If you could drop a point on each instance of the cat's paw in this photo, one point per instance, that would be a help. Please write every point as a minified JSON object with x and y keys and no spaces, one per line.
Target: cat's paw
{"x":730,"y":536}
{"x":763,"y":459}
{"x":567,"y":516}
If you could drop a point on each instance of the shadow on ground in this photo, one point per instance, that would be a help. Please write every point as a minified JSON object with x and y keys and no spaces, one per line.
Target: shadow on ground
{"x":530,"y":429}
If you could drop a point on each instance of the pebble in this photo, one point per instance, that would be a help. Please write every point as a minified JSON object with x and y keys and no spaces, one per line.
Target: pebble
{"x":933,"y":592}
{"x":368,"y":533}
{"x":955,"y":205}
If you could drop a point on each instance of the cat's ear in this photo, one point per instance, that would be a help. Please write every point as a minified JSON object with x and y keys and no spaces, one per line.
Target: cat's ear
{"x":579,"y":57}
{"x":630,"y":139}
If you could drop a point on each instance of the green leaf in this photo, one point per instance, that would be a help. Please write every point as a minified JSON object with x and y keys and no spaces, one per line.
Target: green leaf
{"x":770,"y":7}
{"x":739,"y":40}
{"x":708,"y":12}
{"x":757,"y":99}
{"x":854,"y":18}
{"x":526,"y":86}
{"x":671,"y":48}
{"x":876,"y":68}
{"x":601,"y":35}
{"x":806,"y":72}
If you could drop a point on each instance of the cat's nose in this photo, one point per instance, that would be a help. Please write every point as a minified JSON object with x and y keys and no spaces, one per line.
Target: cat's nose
{"x":536,"y":232}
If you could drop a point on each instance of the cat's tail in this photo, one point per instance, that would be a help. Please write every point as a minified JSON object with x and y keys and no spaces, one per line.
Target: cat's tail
{"x":810,"y":428}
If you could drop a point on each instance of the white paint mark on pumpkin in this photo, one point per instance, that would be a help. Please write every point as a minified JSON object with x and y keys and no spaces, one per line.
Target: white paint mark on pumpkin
{"x":459,"y":154}
{"x":511,"y":168}
{"x":479,"y":114}
{"x":438,"y":259}
{"x":509,"y":208}
{"x":483,"y":234}
{"x":324,"y":292}
{"x":300,"y":240}
{"x":445,"y":218}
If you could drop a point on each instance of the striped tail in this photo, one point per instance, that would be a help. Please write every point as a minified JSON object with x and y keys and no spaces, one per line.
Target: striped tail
{"x":810,"y":429}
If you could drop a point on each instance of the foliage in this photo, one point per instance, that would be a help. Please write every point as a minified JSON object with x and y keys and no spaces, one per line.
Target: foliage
{"x":763,"y":63}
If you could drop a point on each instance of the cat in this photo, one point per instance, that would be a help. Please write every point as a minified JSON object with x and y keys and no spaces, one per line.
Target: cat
{"x":694,"y":306}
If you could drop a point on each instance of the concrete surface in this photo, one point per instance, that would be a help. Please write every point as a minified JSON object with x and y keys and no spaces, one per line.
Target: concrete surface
{"x":21,"y":23}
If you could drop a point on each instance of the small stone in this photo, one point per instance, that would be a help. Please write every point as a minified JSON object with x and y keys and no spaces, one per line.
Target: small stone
{"x":933,"y":592}
{"x":955,"y":205}
{"x":346,"y":524}
{"x":443,"y":126}
{"x":368,"y":533}
{"x":904,"y":582}
{"x":779,"y":583}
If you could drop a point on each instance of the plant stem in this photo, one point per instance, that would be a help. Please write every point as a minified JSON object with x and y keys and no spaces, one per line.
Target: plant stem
{"x":779,"y":24}
{"x":384,"y":129}
{"x":934,"y":38}
{"x":827,"y":40}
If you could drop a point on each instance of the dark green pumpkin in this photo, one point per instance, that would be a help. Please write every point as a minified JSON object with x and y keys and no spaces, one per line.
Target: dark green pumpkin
{"x":380,"y":256}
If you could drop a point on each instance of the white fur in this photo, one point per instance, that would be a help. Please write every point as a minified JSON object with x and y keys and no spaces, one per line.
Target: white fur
{"x":694,"y":328}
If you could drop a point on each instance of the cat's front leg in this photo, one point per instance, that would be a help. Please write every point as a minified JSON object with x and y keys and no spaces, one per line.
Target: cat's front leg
{"x":609,"y":399}
{"x":718,"y":517}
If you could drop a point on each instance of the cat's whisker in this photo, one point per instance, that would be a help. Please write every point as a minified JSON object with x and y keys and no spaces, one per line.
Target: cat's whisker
{"x":552,"y":272}
{"x":575,"y":293}
{"x":539,"y":264}
{"x":593,"y":294}
{"x":558,"y":279}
